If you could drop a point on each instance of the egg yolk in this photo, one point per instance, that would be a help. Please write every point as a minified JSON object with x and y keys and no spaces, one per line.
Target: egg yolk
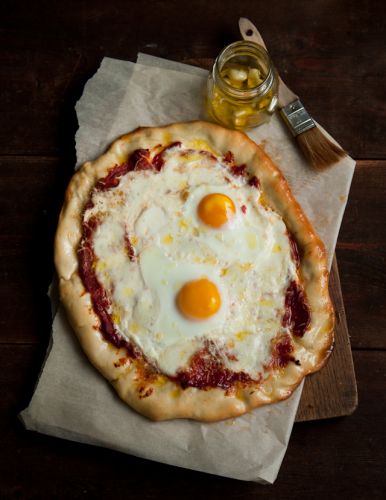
{"x":198,"y":299}
{"x":216,"y":209}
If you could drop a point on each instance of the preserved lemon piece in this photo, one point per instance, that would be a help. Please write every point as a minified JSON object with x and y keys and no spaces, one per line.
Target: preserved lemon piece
{"x":242,"y":115}
{"x":235,"y":72}
{"x":242,"y":89}
{"x":254,"y":77}
{"x":241,"y":77}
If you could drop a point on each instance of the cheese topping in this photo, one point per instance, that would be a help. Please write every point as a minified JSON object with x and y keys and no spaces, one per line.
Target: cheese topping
{"x":193,"y":223}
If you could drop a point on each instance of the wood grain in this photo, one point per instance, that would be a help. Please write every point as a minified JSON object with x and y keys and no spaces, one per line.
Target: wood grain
{"x":31,"y":194}
{"x":332,"y":53}
{"x":49,"y":52}
{"x":332,"y":392}
{"x":347,"y":453}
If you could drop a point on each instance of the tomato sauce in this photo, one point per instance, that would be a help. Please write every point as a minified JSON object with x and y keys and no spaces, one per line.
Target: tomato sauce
{"x":254,"y":181}
{"x":282,"y":350}
{"x":294,"y":249}
{"x":159,"y":160}
{"x":100,"y":301}
{"x":297,"y":313}
{"x":207,"y":370}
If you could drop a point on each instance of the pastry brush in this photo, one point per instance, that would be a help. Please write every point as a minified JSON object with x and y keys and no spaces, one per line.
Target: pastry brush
{"x":316,"y":147}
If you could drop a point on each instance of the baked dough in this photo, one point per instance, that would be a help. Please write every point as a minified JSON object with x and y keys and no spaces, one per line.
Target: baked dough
{"x":149,"y":392}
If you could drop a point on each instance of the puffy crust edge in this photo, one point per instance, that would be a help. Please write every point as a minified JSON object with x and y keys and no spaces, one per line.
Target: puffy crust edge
{"x":157,"y":397}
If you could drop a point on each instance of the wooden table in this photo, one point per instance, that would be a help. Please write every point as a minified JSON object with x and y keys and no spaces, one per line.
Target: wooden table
{"x":333,"y":55}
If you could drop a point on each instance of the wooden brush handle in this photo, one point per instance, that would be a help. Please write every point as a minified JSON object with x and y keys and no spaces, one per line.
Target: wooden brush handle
{"x":249,"y":32}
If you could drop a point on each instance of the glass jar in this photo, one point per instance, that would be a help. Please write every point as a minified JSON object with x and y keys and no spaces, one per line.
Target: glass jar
{"x":243,"y":86}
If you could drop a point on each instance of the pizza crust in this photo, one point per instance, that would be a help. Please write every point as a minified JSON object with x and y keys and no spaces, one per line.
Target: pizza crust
{"x":158,"y":397}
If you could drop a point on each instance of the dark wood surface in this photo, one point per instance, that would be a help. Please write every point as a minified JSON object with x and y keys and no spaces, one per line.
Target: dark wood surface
{"x":333,"y":54}
{"x":332,"y":392}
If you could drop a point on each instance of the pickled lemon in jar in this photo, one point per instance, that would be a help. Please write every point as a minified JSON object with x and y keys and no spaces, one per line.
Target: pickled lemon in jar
{"x":242,"y":87}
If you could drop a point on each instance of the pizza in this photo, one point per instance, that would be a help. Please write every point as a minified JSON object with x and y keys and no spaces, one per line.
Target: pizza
{"x":190,"y":274}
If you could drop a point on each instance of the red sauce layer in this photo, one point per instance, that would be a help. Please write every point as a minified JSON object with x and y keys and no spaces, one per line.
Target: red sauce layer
{"x":240,"y":170}
{"x":294,"y":249}
{"x":100,"y":301}
{"x":297,"y":313}
{"x":129,"y":248}
{"x":282,"y":350}
{"x":254,"y":181}
{"x":139,"y":160}
{"x":229,"y":157}
{"x":207,"y":370}
{"x":159,"y":160}
{"x":112,"y":179}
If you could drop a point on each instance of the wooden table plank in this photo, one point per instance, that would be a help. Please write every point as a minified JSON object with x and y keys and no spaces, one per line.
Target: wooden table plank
{"x":31,"y":193}
{"x":348,"y":454}
{"x":48,"y":53}
{"x":332,"y":392}
{"x":361,"y":252}
{"x":332,"y":54}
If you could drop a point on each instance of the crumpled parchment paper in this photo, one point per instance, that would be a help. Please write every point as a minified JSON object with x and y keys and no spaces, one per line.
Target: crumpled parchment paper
{"x":72,"y":400}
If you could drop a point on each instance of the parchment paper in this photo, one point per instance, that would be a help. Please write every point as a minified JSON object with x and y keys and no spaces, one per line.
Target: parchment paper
{"x":71,"y":399}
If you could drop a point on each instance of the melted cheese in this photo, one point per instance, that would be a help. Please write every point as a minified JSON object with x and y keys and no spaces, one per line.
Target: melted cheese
{"x":249,"y":261}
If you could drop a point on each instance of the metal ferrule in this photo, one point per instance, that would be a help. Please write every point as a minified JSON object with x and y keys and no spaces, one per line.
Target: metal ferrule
{"x":297,"y":118}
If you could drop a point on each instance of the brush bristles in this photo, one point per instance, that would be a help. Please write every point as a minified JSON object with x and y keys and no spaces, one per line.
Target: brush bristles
{"x":318,"y":149}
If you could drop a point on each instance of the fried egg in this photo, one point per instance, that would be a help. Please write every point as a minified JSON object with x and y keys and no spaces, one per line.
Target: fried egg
{"x":192,"y":299}
{"x":235,"y":233}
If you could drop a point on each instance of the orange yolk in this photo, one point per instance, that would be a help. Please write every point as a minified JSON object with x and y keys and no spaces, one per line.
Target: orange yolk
{"x":198,"y":299}
{"x":216,"y":209}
